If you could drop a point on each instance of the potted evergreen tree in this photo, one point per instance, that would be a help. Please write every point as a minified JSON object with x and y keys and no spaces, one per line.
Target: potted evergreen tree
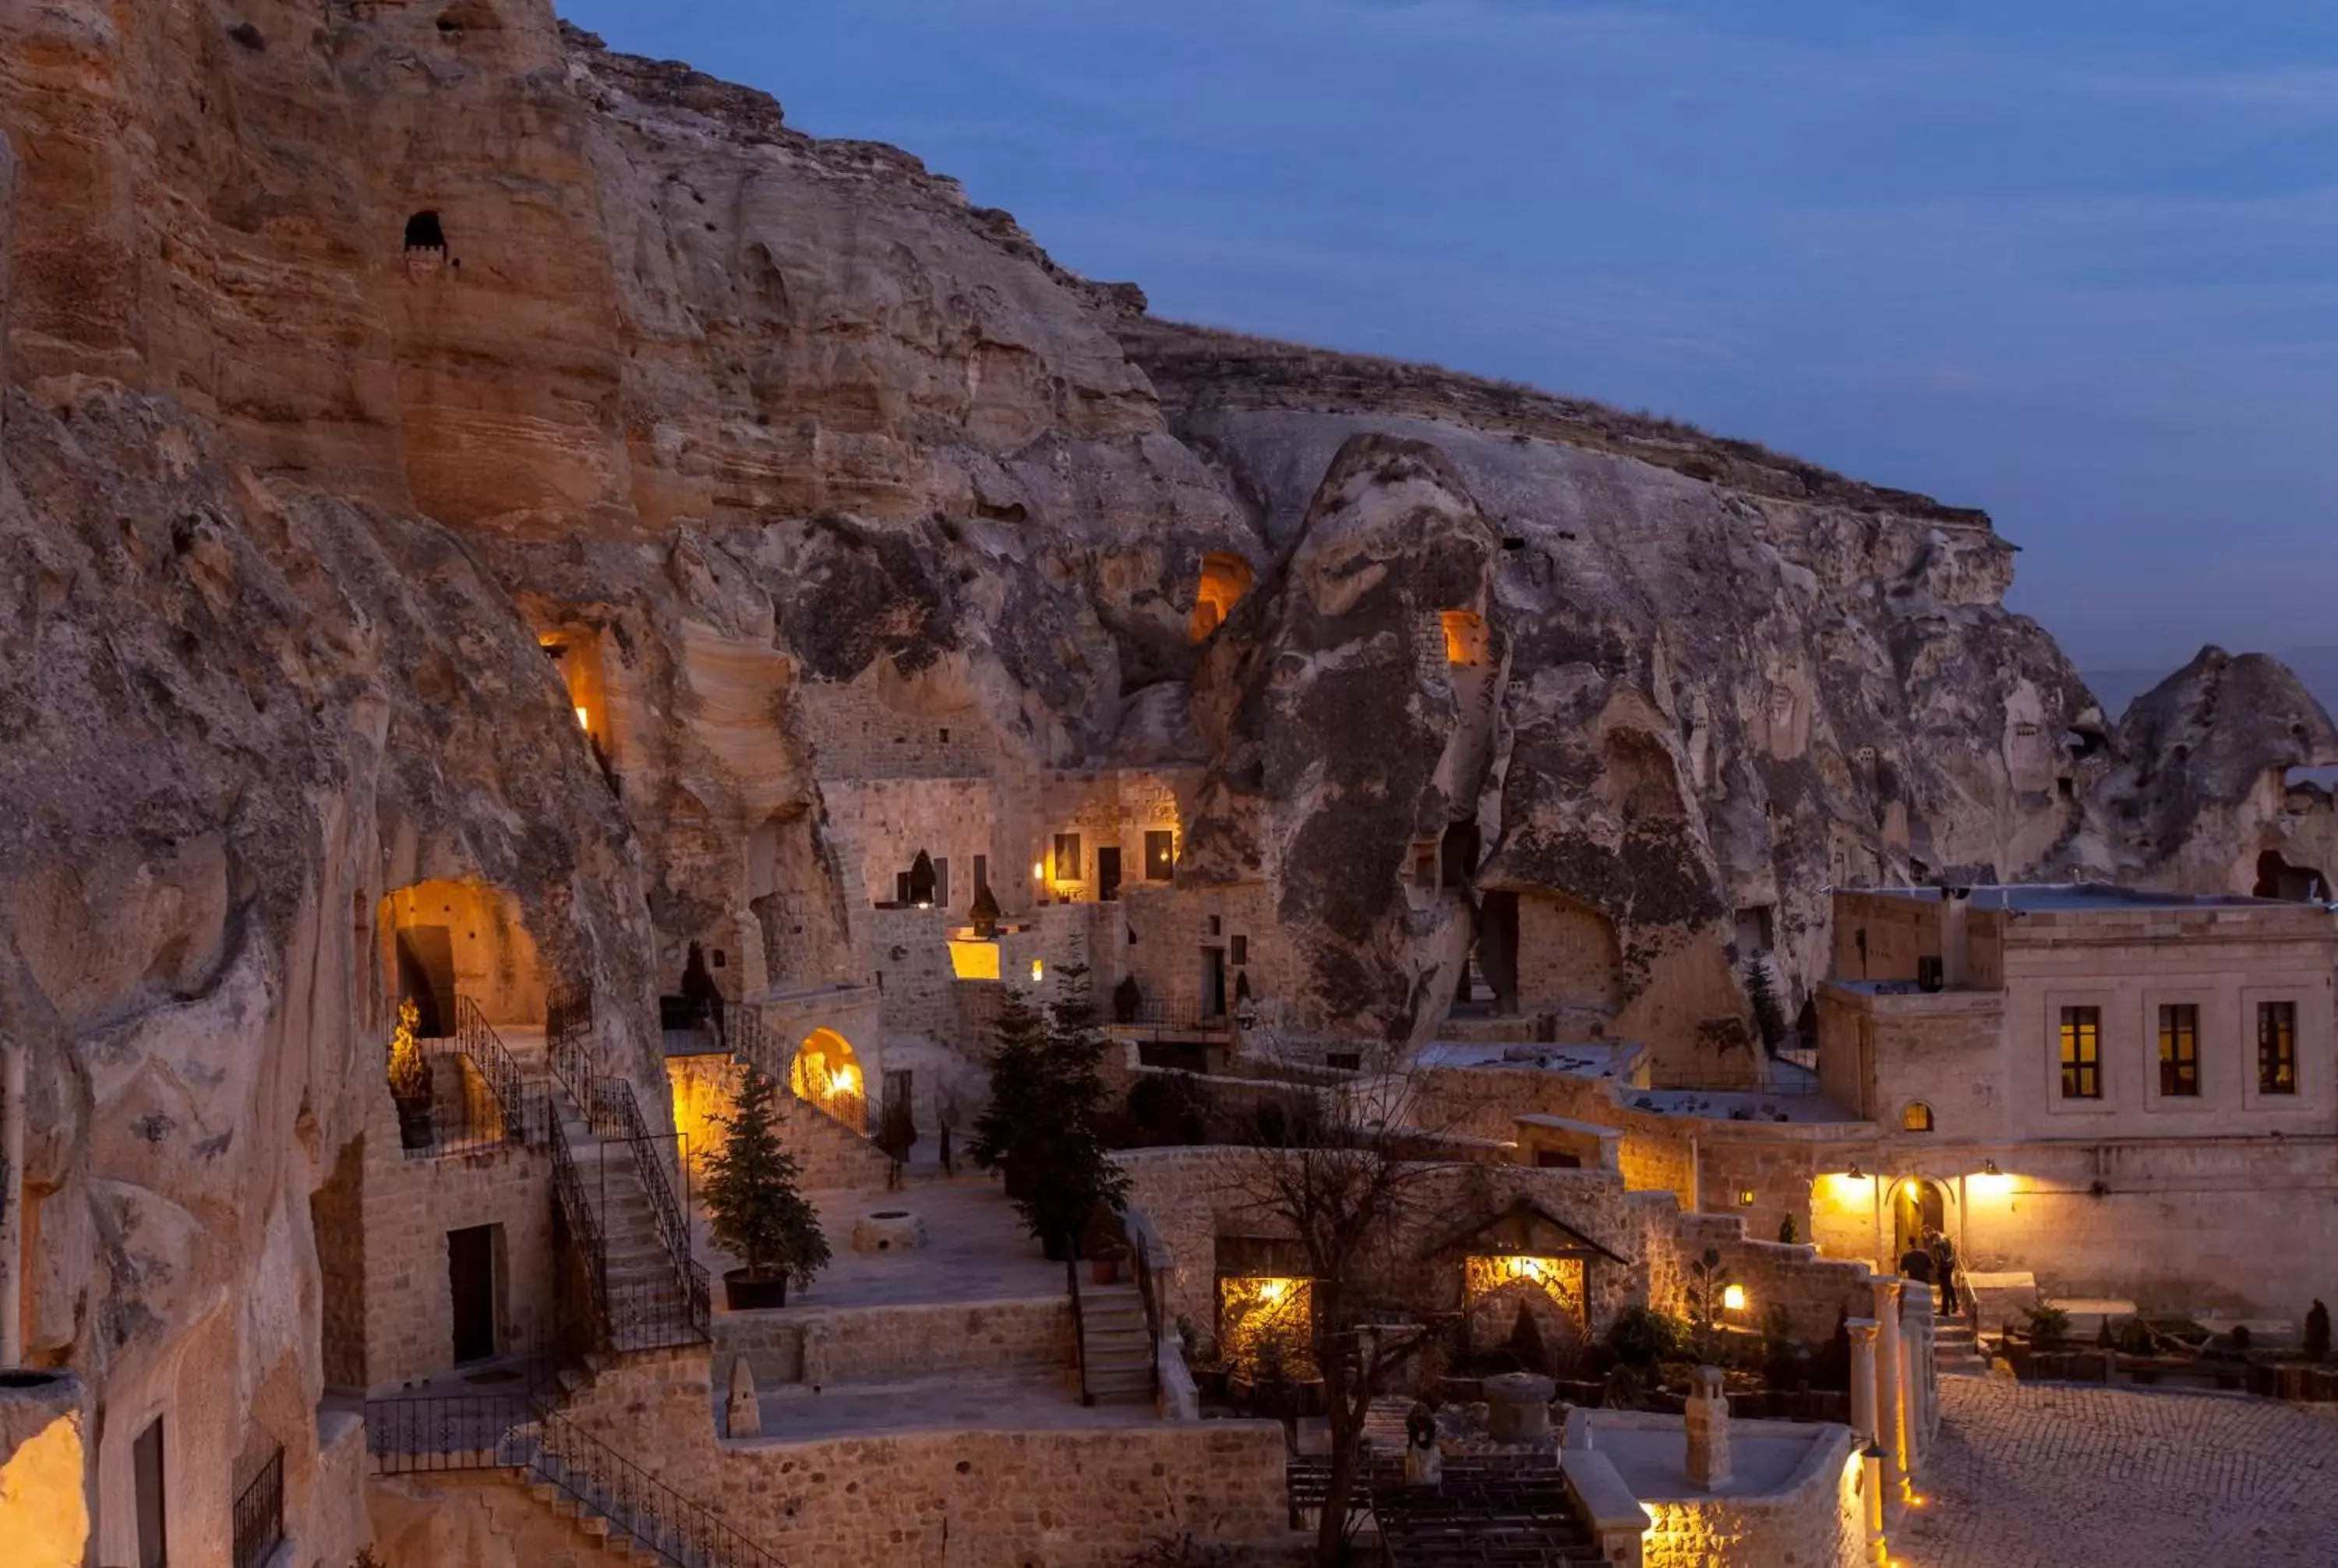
{"x":410,"y":1078}
{"x":757,"y":1211}
{"x":1039,"y":1130}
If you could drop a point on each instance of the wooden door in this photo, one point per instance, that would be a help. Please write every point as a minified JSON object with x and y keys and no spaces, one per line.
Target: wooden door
{"x":154,"y":1542}
{"x":471,"y":1277}
{"x":1108,"y":873}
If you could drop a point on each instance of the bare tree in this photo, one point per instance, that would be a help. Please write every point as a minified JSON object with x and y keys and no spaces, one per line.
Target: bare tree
{"x":1347,"y":1183}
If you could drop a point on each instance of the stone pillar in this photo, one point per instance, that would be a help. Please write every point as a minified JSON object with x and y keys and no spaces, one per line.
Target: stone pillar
{"x":1870,"y":1496}
{"x":1890,"y":1397}
{"x":1918,"y":1333}
{"x":745,"y":1413}
{"x":1863,"y":1331}
{"x":1706,"y":1412}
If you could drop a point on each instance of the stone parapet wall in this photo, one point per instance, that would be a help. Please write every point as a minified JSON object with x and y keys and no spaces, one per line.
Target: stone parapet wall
{"x":879,"y":1344}
{"x":1817,"y":1520}
{"x":1088,"y":1498}
{"x":410,"y":1206}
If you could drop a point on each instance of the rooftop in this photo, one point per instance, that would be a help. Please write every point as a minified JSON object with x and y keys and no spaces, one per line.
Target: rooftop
{"x":1586,"y":1058}
{"x":2026,"y":898}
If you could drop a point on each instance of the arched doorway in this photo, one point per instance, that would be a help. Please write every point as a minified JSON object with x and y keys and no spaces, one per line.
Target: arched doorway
{"x":827,"y":1073}
{"x":1919,"y":1205}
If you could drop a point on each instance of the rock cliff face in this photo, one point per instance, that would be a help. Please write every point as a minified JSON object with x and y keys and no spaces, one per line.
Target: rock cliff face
{"x":355,"y":350}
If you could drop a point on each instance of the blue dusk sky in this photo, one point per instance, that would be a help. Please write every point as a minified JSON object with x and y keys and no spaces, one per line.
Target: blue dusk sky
{"x":2074,"y":261}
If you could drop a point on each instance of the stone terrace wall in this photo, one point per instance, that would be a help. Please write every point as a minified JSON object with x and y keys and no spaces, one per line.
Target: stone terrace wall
{"x":881,"y":1343}
{"x":1815,"y":1523}
{"x":1068,"y":1499}
{"x":409,"y":1206}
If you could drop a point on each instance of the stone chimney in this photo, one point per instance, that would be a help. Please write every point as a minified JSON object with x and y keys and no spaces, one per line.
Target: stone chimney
{"x":1707,"y":1415}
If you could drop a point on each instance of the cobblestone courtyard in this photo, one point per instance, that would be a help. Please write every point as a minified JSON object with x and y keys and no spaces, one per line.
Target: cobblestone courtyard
{"x":2078,"y":1477}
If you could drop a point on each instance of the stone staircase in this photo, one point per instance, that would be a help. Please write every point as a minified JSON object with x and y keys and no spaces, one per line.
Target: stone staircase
{"x":1953,"y":1350}
{"x":642,"y":1296}
{"x":1116,"y":1346}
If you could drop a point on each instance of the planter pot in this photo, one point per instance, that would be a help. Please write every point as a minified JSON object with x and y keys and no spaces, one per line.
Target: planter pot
{"x":1104,"y":1271}
{"x":414,"y":1128}
{"x":743,"y":1292}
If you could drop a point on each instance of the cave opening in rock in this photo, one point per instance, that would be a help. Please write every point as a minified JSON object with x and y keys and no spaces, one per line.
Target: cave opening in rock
{"x":827,"y":1073}
{"x":1465,"y":637}
{"x":423,"y":232}
{"x":446,"y":939}
{"x":2277,"y":878}
{"x":1224,"y":580}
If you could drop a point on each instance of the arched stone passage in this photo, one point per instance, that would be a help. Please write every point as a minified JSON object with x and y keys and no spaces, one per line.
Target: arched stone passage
{"x":446,"y":937}
{"x":1465,"y":637}
{"x":1225,"y":578}
{"x":827,"y":1073}
{"x":424,"y":232}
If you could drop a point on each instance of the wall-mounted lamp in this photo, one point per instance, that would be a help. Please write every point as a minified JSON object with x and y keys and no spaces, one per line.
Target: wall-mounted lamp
{"x":1038,"y":971}
{"x":1746,"y":1197}
{"x":1988,"y":1168}
{"x":1732,"y":1298}
{"x":1855,"y":1173}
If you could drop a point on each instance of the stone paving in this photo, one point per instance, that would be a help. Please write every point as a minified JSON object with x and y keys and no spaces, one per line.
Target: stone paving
{"x":2056,"y":1476}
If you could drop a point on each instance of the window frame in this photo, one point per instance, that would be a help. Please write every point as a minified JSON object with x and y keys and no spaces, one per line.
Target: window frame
{"x":1165,"y":839}
{"x":1067,"y":847}
{"x":2262,"y":1012}
{"x":1908,"y":1112}
{"x":2168,"y":1031}
{"x":2065,"y":1068}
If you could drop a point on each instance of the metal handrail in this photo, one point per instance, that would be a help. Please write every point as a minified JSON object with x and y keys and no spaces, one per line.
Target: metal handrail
{"x":616,"y":1108}
{"x":568,"y":1043}
{"x":512,"y":1432}
{"x":259,"y":1514}
{"x":1079,"y":1327}
{"x":1148,"y":1291}
{"x":584,"y":1224}
{"x":476,"y":1038}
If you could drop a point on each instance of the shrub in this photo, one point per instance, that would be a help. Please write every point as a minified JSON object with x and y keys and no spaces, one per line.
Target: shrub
{"x":2049,"y":1326}
{"x":1642,"y":1336}
{"x":2242,"y":1339}
{"x":1525,"y":1344}
{"x":1625,"y":1387}
{"x":2317,"y":1330}
{"x":2136,"y":1338}
{"x":1768,"y":1017}
{"x":1788,"y":1231}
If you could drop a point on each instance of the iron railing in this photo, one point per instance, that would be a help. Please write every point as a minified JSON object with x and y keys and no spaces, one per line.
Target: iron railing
{"x":259,"y":1514}
{"x":618,"y":1118}
{"x":512,"y":1432}
{"x":568,"y":1043}
{"x":489,"y":1113}
{"x":1148,"y":1291}
{"x":1173,"y":1015}
{"x":583,"y":1226}
{"x":476,"y":1039}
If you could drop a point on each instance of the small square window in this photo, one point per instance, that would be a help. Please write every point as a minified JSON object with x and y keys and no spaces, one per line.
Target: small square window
{"x":1215,"y":924}
{"x":1068,"y":857}
{"x":1241,"y":949}
{"x":2179,"y":1050}
{"x":2276,"y":1047}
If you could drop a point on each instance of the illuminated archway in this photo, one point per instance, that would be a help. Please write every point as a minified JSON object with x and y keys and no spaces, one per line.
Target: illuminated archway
{"x":827,"y":1073}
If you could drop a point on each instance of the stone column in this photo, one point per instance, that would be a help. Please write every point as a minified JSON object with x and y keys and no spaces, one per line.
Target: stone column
{"x":1917,"y":1335}
{"x":1863,"y":1332}
{"x":1890,"y":1412}
{"x":1706,"y":1413}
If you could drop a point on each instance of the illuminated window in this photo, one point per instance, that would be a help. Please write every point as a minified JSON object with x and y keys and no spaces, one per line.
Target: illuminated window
{"x":2082,"y":1053}
{"x":1068,"y":857}
{"x":2276,"y":1047}
{"x":1266,"y":1326}
{"x":1465,"y":637}
{"x":974,"y":960}
{"x":2179,"y":1050}
{"x":1916,"y":1118}
{"x":1159,"y":855}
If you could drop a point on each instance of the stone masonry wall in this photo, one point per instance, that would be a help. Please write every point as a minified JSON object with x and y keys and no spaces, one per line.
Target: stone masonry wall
{"x":828,"y":1154}
{"x":866,"y":1344}
{"x":1816,"y":1522}
{"x":410,"y":1207}
{"x":1567,"y":955}
{"x":994,"y":1497}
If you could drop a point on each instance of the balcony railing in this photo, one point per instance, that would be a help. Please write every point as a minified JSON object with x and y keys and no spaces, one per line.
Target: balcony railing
{"x":1167,"y":1017}
{"x":259,"y":1514}
{"x":617,"y":1117}
{"x":518,"y":1433}
{"x":489,"y":1109}
{"x":568,"y":1043}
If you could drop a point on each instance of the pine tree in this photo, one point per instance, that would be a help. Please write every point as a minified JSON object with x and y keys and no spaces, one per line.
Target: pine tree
{"x":1762,"y":987}
{"x":1046,"y":1092}
{"x":750,"y":1192}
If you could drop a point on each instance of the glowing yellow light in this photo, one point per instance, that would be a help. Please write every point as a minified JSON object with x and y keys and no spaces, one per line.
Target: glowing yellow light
{"x":1273,"y":1291}
{"x":1038,"y":971}
{"x":1038,"y":870}
{"x":1746,"y":1197}
{"x":1733,"y":1297}
{"x":845,"y":1079}
{"x":1989,"y":1184}
{"x":974,"y":960}
{"x":584,"y":720}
